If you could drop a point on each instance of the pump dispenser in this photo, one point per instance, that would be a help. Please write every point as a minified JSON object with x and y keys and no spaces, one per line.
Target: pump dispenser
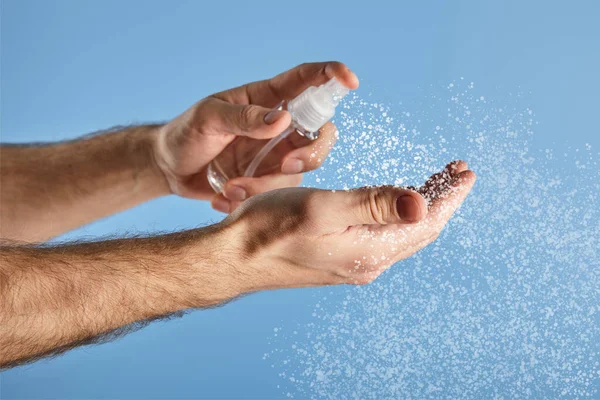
{"x":310,"y":110}
{"x":316,"y":105}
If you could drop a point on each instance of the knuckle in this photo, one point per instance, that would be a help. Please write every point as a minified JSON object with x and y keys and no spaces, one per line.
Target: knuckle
{"x":314,"y":161}
{"x":202,"y":115}
{"x":246,"y":116}
{"x":328,"y":135}
{"x":319,"y":152}
{"x":378,"y":206}
{"x":332,"y":139}
{"x":303,"y":67}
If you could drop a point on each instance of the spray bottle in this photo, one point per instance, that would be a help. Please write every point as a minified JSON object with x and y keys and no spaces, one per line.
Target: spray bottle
{"x":244,"y":156}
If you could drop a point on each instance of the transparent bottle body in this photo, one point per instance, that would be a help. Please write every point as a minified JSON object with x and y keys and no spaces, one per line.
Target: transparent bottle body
{"x":251,"y":157}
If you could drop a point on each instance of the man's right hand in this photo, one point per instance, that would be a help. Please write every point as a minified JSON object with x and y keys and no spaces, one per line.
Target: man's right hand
{"x":185,"y":146}
{"x":298,"y":237}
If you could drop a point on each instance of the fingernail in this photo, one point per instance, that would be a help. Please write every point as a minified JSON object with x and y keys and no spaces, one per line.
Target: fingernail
{"x":273,"y":116}
{"x":221,"y":204}
{"x":408,"y":208}
{"x":292,"y":166}
{"x":235,"y":193}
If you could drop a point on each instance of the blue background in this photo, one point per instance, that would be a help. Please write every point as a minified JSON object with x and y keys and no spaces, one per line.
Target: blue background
{"x":73,"y":67}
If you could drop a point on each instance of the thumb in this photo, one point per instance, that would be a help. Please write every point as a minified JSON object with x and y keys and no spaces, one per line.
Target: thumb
{"x":378,"y":205}
{"x":251,"y":120}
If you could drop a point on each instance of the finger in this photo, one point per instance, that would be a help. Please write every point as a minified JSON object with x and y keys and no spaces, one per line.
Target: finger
{"x":310,"y":157}
{"x":444,"y":176}
{"x":437,"y":182}
{"x":378,"y":205}
{"x":220,"y":203}
{"x":245,"y":120}
{"x":290,"y":84}
{"x":239,"y":189}
{"x":446,"y":202}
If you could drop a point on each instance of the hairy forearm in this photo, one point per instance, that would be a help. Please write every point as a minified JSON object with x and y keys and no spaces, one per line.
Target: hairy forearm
{"x":48,"y":189}
{"x":55,"y":298}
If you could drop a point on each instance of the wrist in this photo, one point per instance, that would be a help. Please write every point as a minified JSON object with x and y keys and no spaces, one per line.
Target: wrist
{"x":270,"y":260}
{"x":147,"y":166}
{"x":249,"y":263}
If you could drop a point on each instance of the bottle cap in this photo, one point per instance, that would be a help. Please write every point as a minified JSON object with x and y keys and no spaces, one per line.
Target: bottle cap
{"x":316,"y":105}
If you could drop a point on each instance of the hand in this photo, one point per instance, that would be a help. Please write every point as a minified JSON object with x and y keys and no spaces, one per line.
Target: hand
{"x":187,"y":144}
{"x":308,"y":237}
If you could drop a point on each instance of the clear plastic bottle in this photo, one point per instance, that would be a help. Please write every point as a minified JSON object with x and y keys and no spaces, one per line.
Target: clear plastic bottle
{"x":250,"y":157}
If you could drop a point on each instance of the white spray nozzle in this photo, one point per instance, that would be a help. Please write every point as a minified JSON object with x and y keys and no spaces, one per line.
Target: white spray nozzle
{"x":316,"y":105}
{"x":336,"y":89}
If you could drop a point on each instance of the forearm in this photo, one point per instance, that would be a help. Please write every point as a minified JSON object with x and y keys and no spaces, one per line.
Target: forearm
{"x":55,"y":298}
{"x":46,"y":190}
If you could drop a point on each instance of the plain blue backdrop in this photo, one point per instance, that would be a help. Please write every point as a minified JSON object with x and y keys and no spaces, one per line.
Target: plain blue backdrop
{"x":73,"y":67}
